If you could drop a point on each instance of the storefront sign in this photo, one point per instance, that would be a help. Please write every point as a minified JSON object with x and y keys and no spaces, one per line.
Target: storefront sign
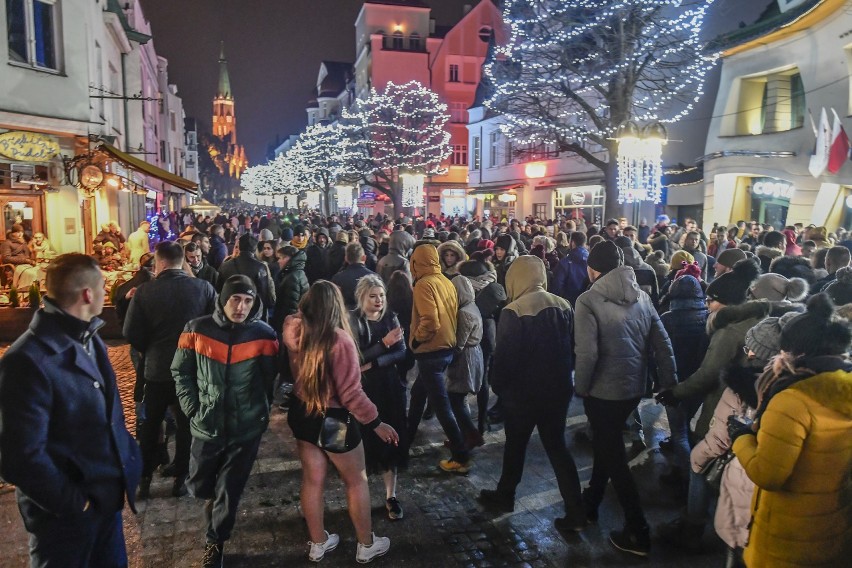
{"x":28,"y":146}
{"x":578,"y":198}
{"x":773,"y":188}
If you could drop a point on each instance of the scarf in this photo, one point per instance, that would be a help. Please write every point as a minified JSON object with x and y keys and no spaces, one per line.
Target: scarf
{"x":482,"y":281}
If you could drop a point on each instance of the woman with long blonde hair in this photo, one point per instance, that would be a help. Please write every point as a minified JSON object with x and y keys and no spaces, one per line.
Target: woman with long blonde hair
{"x":326,"y":366}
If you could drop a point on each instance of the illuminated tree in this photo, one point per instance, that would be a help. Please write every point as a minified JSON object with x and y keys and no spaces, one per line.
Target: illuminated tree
{"x":397,"y":132}
{"x":573,"y":71}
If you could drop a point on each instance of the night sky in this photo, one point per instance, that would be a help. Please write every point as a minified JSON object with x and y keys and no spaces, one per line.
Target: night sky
{"x":274,"y":48}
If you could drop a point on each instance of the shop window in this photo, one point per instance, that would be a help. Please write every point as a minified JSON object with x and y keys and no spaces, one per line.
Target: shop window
{"x":540,"y":210}
{"x":397,"y":40}
{"x":460,"y":154}
{"x":493,"y":149}
{"x":454,"y":73}
{"x":773,"y":102}
{"x":476,"y":163}
{"x":414,"y":42}
{"x":32,"y":32}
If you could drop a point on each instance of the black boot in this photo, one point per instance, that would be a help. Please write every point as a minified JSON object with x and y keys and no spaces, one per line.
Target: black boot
{"x":497,"y":501}
{"x":214,"y":555}
{"x":179,"y":486}
{"x":144,"y":491}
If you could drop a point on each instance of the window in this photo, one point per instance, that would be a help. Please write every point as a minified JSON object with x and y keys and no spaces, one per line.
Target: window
{"x":454,"y":73}
{"x":414,"y":43}
{"x":460,"y":155}
{"x":32,"y":30}
{"x":173,"y":120}
{"x":458,"y":112}
{"x":162,"y":151}
{"x":477,"y":153}
{"x":768,"y":103}
{"x":494,"y":149}
{"x":540,"y":210}
{"x":397,"y":40}
{"x":485,"y":33}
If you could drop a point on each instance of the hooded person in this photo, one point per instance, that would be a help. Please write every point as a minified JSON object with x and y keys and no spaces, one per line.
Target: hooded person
{"x":400,"y":245}
{"x":791,"y":247}
{"x":505,"y":253}
{"x":433,"y":338}
{"x":799,"y":449}
{"x":533,"y":359}
{"x":617,"y":330}
{"x":370,"y":246}
{"x":773,"y":247}
{"x":451,"y":254}
{"x":794,"y":267}
{"x":337,"y":252}
{"x":473,"y":241}
{"x":645,"y":275}
{"x":292,"y":284}
{"x":840,"y":291}
{"x":465,"y":373}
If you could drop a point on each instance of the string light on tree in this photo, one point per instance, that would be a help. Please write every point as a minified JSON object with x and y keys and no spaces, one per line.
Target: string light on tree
{"x":572,"y":71}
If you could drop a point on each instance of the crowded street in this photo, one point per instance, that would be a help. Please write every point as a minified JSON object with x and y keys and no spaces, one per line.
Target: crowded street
{"x":444,"y":524}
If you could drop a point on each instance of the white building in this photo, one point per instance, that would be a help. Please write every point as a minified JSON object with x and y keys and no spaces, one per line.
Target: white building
{"x":67,"y":83}
{"x":794,"y":60}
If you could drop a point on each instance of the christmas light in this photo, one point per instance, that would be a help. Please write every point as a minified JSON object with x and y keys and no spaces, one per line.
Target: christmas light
{"x":412,"y":189}
{"x":400,"y":129}
{"x":572,"y":71}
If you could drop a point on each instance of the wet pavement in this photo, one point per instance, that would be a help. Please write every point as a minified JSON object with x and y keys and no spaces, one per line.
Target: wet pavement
{"x":443,"y":524}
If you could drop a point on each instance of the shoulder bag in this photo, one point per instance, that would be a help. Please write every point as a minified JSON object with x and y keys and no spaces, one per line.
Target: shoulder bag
{"x":713,"y":470}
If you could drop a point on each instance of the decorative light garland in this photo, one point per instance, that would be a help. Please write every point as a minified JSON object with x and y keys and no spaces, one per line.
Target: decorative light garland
{"x":565,"y":63}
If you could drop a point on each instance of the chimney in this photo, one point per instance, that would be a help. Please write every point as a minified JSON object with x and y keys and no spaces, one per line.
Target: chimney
{"x":466,"y":9}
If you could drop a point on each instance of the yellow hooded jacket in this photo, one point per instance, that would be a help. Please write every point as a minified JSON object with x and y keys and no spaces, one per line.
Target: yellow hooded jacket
{"x":436,"y":304}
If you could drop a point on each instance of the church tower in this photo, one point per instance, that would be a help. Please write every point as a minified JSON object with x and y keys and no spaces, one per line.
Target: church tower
{"x":224,"y":119}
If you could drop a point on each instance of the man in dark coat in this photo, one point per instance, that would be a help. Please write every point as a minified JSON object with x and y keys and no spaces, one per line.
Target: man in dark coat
{"x":247,"y":264}
{"x":347,"y":279}
{"x":155,"y":319}
{"x":291,"y":286}
{"x":63,"y":443}
{"x":531,"y":373}
{"x":200,"y":269}
{"x":316,"y":266}
{"x":218,"y":248}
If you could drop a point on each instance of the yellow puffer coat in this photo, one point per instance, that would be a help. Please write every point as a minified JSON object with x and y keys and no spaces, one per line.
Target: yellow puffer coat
{"x":436,"y":303}
{"x":800,"y":462}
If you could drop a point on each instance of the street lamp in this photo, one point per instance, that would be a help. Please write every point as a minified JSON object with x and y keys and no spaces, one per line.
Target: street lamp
{"x":640,"y":162}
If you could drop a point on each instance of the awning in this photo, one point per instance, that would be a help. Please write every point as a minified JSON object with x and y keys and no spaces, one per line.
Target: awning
{"x":149,"y":169}
{"x":494,"y":189}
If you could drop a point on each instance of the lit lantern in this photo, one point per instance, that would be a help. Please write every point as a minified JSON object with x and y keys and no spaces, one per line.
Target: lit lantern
{"x":536,"y":170}
{"x":344,"y":196}
{"x":640,"y":162}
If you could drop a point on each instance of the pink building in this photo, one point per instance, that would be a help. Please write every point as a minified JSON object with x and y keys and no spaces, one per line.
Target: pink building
{"x":396,"y":40}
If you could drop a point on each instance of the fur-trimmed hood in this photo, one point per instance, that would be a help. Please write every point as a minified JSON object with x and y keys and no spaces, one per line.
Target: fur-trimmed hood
{"x":735,"y":314}
{"x":770,"y":252}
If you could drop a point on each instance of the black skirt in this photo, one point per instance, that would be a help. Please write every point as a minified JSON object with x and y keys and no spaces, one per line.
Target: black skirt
{"x":383,"y":388}
{"x":306,"y":427}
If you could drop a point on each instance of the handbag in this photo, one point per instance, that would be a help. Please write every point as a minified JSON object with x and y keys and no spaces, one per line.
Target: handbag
{"x":713,"y":470}
{"x":334,"y":431}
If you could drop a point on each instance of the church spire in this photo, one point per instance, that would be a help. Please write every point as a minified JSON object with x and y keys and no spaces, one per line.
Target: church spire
{"x":224,"y":91}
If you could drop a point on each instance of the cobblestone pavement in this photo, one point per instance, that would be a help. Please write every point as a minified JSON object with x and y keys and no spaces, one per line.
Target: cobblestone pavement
{"x":443,"y":525}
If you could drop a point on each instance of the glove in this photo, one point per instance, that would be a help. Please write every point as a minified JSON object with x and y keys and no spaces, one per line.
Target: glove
{"x":667,"y":398}
{"x":738,"y":427}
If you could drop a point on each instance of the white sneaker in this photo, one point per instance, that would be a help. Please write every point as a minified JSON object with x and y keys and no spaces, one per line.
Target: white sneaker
{"x":380,"y":546}
{"x":318,"y":549}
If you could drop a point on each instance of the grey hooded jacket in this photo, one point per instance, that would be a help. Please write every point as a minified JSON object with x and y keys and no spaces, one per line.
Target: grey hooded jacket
{"x":465,"y":373}
{"x":400,"y":245}
{"x":617,"y":330}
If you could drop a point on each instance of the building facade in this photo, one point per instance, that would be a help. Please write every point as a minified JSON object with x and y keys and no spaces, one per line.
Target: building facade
{"x":69,"y":74}
{"x":794,"y":61}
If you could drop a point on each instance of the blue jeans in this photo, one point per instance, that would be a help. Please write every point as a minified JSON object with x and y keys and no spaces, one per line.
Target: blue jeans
{"x":430,"y":384}
{"x":698,"y":500}
{"x":679,"y":417}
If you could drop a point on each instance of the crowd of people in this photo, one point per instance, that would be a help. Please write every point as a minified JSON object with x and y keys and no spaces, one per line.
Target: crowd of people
{"x":743,"y":335}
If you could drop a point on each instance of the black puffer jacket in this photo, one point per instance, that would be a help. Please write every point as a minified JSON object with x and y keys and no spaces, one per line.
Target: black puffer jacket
{"x":292,"y":285}
{"x":158,"y":313}
{"x":507,"y":243}
{"x":534,"y":356}
{"x":617,"y":330}
{"x":370,"y":248}
{"x":316,"y":265}
{"x":686,"y":324}
{"x":248,"y":265}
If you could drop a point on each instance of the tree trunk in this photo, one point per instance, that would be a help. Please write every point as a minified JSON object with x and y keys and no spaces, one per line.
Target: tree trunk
{"x":396,"y":199}
{"x":326,"y":207}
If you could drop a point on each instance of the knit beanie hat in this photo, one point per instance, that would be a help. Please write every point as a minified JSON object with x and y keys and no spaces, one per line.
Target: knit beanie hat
{"x":686,"y":293}
{"x":730,"y":288}
{"x":693,"y":270}
{"x":840,"y":291}
{"x":429,"y":233}
{"x":765,"y":337}
{"x":817,"y":331}
{"x":775,"y":288}
{"x":678,"y":257}
{"x":299,"y":231}
{"x":729,"y":257}
{"x":623,"y":242}
{"x":605,"y":256}
{"x":505,"y":242}
{"x":266,"y":235}
{"x":287,"y":234}
{"x":237,"y":284}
